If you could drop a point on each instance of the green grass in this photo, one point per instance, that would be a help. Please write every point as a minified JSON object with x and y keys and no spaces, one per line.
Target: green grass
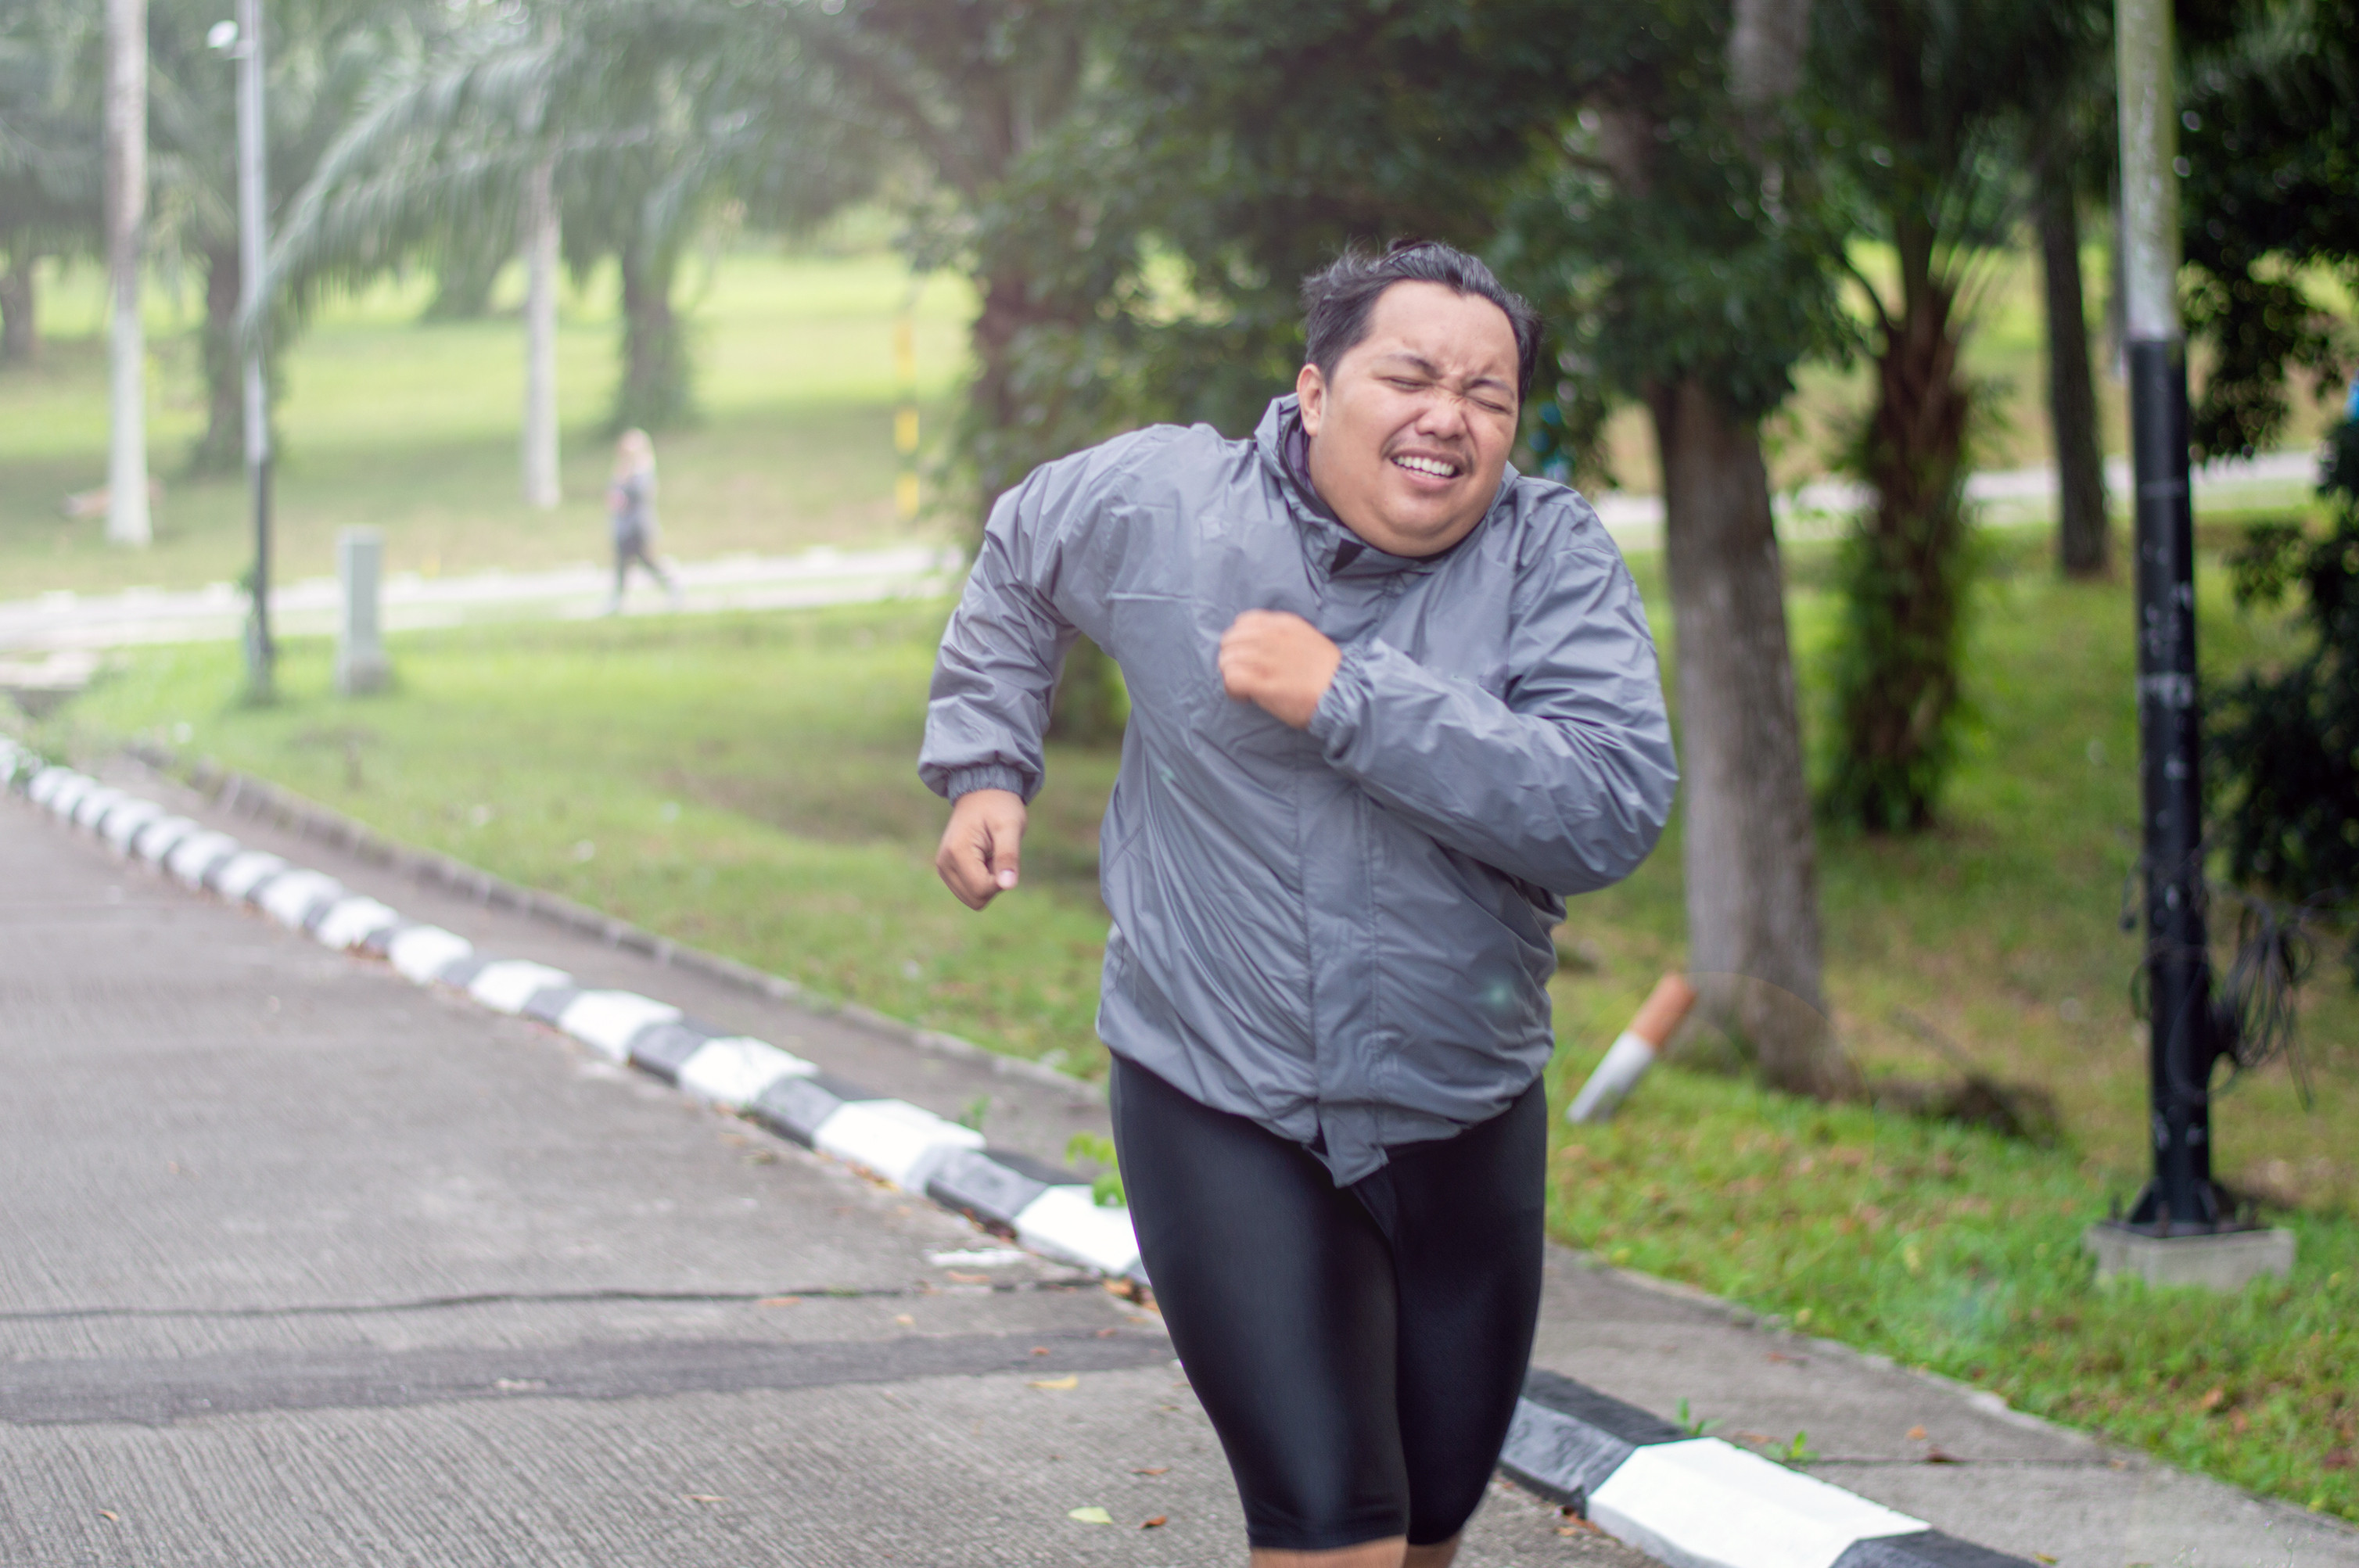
{"x":745,"y":783}
{"x":414,"y":428}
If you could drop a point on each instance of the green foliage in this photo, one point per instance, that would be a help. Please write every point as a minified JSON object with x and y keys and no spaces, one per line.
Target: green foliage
{"x":2284,"y":742}
{"x":1922,"y":104}
{"x":2270,"y":133}
{"x":1900,"y":717}
{"x":1088,"y":1149}
{"x":1960,"y":1252}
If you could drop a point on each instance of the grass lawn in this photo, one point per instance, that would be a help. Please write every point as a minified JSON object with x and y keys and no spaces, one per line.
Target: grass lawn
{"x":415,"y":427}
{"x":745,"y":783}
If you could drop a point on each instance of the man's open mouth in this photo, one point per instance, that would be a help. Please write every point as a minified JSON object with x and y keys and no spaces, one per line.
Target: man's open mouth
{"x":1437,"y":467}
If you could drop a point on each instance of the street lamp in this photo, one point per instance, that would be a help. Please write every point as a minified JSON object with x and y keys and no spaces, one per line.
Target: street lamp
{"x":241,"y":40}
{"x":2183,"y":1227}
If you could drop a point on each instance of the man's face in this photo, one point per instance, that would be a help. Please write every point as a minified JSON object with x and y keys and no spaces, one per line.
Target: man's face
{"x":1409,"y":439}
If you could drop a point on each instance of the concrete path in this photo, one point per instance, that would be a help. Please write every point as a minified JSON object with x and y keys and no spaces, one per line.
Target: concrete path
{"x":255,"y":1179}
{"x":301,"y":1263}
{"x":81,"y":622}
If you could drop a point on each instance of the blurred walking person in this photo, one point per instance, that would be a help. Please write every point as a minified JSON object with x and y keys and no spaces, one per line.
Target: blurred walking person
{"x":631,"y":512}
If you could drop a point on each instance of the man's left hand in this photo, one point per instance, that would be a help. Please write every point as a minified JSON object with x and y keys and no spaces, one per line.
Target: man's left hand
{"x":1279,"y":661}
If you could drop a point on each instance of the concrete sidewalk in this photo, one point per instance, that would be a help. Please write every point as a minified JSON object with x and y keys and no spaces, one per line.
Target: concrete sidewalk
{"x":65,"y":621}
{"x":2015,"y":1484}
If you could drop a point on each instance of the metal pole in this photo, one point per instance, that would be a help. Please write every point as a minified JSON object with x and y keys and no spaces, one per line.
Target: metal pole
{"x":2183,"y":1044}
{"x":253,"y":257}
{"x":126,"y":217}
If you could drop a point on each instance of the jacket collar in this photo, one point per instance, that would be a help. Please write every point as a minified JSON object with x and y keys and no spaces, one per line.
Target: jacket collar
{"x":1285,"y":451}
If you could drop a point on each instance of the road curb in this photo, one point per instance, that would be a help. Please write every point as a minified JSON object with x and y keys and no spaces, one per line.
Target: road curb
{"x":1693,"y":1502}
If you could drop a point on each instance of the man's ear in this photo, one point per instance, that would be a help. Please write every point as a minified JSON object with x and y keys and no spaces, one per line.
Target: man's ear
{"x":1311,"y":392}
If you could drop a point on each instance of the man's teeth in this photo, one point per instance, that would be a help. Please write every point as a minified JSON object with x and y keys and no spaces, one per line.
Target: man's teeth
{"x":1434,"y":466}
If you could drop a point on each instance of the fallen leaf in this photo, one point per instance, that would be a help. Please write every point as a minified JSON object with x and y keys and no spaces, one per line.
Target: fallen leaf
{"x":1090,"y":1514}
{"x":969,"y":1278}
{"x":1039,"y":1350}
{"x":1070,"y":1380}
{"x":1937,"y":1456}
{"x":105,"y":1514}
{"x":703,"y":1497}
{"x":1915,"y":1434}
{"x":2042,"y":1557}
{"x":904,"y":1320}
{"x":2210,"y":1400}
{"x":1156,"y":1522}
{"x":1106,"y":1333}
{"x":1152,"y":1470}
{"x":779,"y":1302}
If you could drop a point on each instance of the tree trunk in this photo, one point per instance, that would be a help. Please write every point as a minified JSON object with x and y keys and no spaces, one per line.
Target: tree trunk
{"x":222,"y":447}
{"x":541,"y":475}
{"x":1905,"y":570}
{"x":127,"y":521}
{"x":19,"y":332}
{"x":1752,"y":875}
{"x":2083,"y":543}
{"x":654,"y":392}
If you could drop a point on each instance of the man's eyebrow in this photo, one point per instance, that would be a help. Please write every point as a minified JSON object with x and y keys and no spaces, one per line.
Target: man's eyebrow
{"x":1427,"y":367}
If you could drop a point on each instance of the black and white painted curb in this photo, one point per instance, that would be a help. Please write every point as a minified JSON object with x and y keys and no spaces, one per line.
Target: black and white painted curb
{"x":1693,"y":1502}
{"x":1047,"y":1210}
{"x":1698,"y":1502}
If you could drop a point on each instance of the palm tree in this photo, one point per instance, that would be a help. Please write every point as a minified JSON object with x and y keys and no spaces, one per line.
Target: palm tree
{"x":639,"y":115}
{"x":1925,"y":101}
{"x":49,"y":142}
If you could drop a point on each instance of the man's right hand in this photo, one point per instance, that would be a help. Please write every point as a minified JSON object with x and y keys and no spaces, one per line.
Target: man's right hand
{"x":978,"y":856}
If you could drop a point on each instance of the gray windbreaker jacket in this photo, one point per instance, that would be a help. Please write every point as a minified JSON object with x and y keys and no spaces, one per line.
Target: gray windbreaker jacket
{"x":1341,"y":933}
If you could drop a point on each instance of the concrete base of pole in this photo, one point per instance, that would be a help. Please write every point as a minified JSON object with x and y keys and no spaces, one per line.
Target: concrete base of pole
{"x":2217,"y":1260}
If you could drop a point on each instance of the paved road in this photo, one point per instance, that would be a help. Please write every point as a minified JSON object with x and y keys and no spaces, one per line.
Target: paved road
{"x":300,"y":1263}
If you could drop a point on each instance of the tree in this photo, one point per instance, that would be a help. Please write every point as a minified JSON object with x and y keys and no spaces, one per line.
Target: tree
{"x":320,"y":55}
{"x":1681,"y":232}
{"x":2270,"y":135}
{"x":51,"y":137}
{"x":126,"y":223}
{"x":1923,"y":101}
{"x":644,"y":115}
{"x":2068,"y":150}
{"x":2285,"y":742}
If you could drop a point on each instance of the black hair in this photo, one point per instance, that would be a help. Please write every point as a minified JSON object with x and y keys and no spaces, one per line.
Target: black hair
{"x":1336,"y":301}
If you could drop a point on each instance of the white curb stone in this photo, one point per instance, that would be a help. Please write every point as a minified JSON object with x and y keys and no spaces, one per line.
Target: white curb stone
{"x":96,"y":804}
{"x":246,"y":872}
{"x":504,"y":987}
{"x":290,"y":898}
{"x":1066,"y":1222}
{"x":606,"y":1020}
{"x":199,"y":854}
{"x":733,"y":1072}
{"x":157,"y":839}
{"x":66,"y":793}
{"x":1709,"y":1504}
{"x":124,"y":823}
{"x":899,"y":1141}
{"x":353,"y":920}
{"x":423,"y":952}
{"x":44,"y":782}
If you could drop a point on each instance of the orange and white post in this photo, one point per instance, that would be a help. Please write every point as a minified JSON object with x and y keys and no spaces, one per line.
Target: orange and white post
{"x":1634,"y":1052}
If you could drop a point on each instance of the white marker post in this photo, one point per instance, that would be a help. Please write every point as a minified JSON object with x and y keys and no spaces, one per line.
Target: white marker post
{"x":1634,"y":1052}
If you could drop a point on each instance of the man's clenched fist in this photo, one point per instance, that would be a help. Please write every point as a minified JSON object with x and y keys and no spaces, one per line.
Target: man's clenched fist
{"x":978,"y":855}
{"x":1279,"y":661}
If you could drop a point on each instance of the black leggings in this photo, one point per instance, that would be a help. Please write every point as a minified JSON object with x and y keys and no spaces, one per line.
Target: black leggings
{"x":1358,"y":1349}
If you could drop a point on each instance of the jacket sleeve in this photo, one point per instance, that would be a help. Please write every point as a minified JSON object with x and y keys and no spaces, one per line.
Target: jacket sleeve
{"x":1034,"y":586}
{"x":1565,"y":780}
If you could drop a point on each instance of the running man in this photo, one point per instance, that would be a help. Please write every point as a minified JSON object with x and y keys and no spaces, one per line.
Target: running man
{"x":1390,"y":704}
